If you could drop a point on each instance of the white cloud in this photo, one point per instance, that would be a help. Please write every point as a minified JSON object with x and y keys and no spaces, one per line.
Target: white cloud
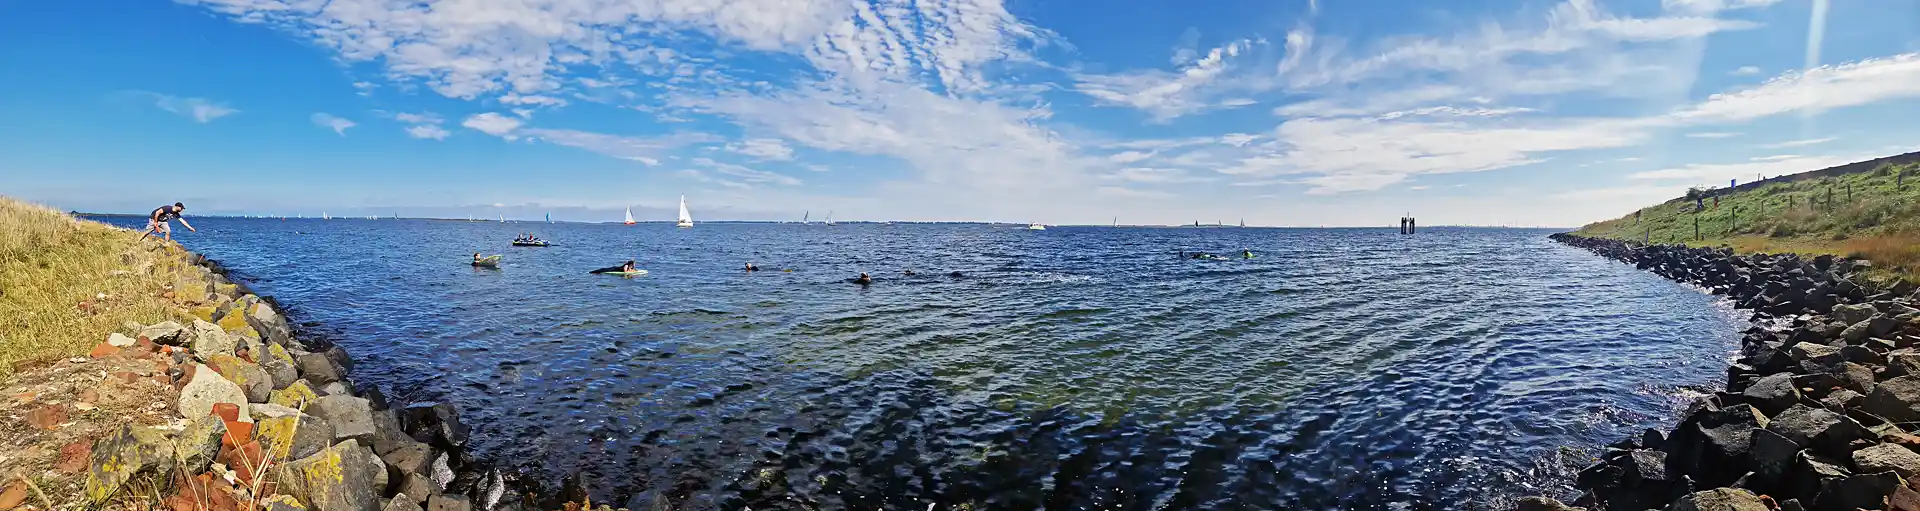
{"x":423,"y":125}
{"x":410,"y":118}
{"x":1745,"y":71}
{"x":643,"y":149}
{"x":1777,"y":157}
{"x":1129,"y":157}
{"x":1341,"y":155}
{"x":1129,"y":193}
{"x":1166,"y":95}
{"x":747,"y":174}
{"x":1712,"y":134}
{"x":532,"y":100}
{"x":1721,"y":172}
{"x":1711,"y":6}
{"x":704,"y":178}
{"x":1821,"y":88}
{"x":1154,"y":175}
{"x":200,"y":110}
{"x":493,"y":124}
{"x":1799,"y":143}
{"x":337,"y":124}
{"x":428,"y":131}
{"x":763,"y":149}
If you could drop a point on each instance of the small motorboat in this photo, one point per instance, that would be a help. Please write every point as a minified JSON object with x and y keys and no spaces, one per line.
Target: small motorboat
{"x":531,"y":243}
{"x":492,"y":261}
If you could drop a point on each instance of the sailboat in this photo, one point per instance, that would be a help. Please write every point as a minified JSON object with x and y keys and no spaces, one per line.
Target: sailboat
{"x":1036,"y":227}
{"x":829,"y":217}
{"x":503,"y":219}
{"x":630,"y":216}
{"x":1243,"y":222}
{"x":685,"y":220}
{"x":805,"y":216}
{"x":549,"y":217}
{"x":324,"y":216}
{"x":1116,"y":221}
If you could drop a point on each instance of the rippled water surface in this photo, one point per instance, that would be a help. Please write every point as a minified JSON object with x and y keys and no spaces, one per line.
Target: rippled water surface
{"x":1072,"y":368}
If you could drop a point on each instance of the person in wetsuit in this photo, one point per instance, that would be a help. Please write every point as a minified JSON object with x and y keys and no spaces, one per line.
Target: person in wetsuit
{"x":863,"y":279}
{"x":157,"y":221}
{"x":751,"y":267}
{"x":1246,"y":254}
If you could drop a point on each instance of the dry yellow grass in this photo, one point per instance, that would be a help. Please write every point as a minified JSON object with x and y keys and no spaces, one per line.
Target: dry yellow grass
{"x":53,"y":271}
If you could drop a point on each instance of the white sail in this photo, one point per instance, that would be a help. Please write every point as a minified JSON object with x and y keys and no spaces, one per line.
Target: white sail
{"x":805,"y":216}
{"x":829,"y":217}
{"x":685,"y":220}
{"x":630,"y":216}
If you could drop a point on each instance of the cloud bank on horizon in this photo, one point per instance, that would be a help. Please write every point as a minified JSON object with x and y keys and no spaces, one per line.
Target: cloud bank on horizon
{"x":1282,"y":113}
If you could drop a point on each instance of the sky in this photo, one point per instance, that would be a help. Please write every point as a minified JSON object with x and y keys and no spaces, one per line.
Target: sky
{"x":1278,"y":112}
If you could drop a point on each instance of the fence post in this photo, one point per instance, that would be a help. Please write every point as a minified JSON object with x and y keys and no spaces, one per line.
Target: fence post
{"x":1696,"y":228}
{"x":1849,"y":193}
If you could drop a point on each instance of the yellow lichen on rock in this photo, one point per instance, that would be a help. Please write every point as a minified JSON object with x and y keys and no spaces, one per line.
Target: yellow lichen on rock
{"x":295,"y":396}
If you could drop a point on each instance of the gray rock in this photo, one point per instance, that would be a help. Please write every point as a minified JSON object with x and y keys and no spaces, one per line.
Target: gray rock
{"x":1862,"y":355}
{"x":288,"y":434}
{"x":1858,"y":331}
{"x":119,"y":340}
{"x":1842,"y":399}
{"x":415,"y":458}
{"x":210,"y":340}
{"x":165,"y":332}
{"x":124,"y":454}
{"x":387,"y":434}
{"x":1772,"y":394}
{"x":1645,"y":466}
{"x":1857,"y":377}
{"x":444,"y":502}
{"x":1887,"y":456}
{"x":252,"y":379}
{"x":1719,"y":499}
{"x":1859,"y":491}
{"x":207,"y":388}
{"x":1881,"y":325}
{"x":317,"y":368}
{"x":1896,"y":399}
{"x":336,"y":389}
{"x":283,"y":373}
{"x":1819,"y":429}
{"x":350,"y":416}
{"x":337,"y":478}
{"x":1854,"y":313}
{"x":1773,"y":454}
{"x":1815,"y":357}
{"x":402,"y":502}
{"x":1903,"y":362}
{"x":196,"y":447}
{"x":413,"y":484}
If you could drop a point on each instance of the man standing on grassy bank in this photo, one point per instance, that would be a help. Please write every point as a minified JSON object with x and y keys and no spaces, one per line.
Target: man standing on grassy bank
{"x":159,"y":221}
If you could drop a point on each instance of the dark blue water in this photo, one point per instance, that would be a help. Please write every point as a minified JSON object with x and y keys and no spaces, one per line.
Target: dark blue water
{"x":1072,"y":368}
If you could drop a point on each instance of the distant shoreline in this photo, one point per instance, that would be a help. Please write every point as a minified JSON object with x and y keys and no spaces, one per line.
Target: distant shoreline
{"x":847,"y":222}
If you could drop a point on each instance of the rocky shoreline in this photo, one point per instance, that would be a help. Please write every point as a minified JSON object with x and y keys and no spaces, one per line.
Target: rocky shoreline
{"x":1820,"y":409}
{"x":269,"y":418}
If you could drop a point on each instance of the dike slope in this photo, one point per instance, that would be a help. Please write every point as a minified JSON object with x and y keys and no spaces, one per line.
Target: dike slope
{"x":1820,"y":410}
{"x":224,"y":407}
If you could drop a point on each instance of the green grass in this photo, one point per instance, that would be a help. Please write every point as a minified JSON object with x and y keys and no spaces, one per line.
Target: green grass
{"x":51,"y":264}
{"x":1879,"y":220}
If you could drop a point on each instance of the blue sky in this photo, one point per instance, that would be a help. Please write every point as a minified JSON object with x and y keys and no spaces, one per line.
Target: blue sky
{"x":1279,"y":112}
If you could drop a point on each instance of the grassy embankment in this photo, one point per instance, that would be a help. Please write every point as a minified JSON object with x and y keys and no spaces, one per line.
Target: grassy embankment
{"x":66,"y":283}
{"x":1873,"y":215}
